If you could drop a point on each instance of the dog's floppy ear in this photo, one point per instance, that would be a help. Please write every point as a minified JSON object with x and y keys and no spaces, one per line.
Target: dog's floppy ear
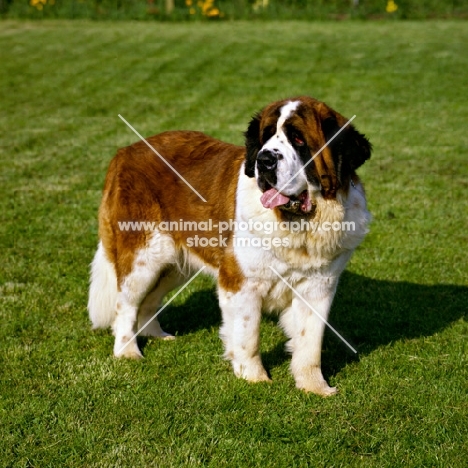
{"x":252,"y":145}
{"x":350,"y":148}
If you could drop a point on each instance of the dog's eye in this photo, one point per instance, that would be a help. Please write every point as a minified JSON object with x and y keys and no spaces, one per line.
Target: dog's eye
{"x":295,"y":136}
{"x":299,"y":141}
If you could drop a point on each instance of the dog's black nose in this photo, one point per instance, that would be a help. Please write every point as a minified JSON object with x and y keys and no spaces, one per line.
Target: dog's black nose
{"x":267,"y":160}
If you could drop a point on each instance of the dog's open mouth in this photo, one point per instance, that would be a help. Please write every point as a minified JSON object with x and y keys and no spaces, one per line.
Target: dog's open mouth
{"x":301,"y":203}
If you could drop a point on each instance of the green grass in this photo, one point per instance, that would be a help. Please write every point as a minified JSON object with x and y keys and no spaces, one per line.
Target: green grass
{"x":64,"y":401}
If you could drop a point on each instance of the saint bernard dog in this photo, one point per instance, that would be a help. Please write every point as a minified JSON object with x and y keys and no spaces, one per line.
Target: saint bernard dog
{"x":271,"y":182}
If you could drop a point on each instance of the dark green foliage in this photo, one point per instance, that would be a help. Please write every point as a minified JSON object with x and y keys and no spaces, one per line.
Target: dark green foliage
{"x":233,"y":9}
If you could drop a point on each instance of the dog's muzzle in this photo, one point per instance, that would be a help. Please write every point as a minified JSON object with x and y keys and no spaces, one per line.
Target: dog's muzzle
{"x":267,"y":160}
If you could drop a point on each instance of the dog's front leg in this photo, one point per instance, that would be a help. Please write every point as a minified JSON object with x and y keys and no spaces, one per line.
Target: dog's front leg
{"x":304,"y":323}
{"x":240,"y":331}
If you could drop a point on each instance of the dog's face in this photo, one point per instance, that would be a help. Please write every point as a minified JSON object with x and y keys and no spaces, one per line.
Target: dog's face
{"x":282,"y":139}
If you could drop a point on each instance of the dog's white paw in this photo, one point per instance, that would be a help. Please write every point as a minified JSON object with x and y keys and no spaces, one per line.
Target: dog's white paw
{"x":312,"y":381}
{"x":153,"y":329}
{"x":127,"y":348}
{"x":167,"y":337}
{"x":251,"y":370}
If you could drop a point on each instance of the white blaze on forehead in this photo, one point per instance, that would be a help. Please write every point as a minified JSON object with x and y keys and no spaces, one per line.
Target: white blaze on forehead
{"x":279,"y":141}
{"x":285,"y":113}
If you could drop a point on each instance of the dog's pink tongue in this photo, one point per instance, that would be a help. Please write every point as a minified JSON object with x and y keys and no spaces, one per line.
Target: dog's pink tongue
{"x":272,"y":198}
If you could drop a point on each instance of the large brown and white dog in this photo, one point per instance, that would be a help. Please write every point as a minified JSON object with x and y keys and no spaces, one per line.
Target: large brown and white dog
{"x":270,"y":182}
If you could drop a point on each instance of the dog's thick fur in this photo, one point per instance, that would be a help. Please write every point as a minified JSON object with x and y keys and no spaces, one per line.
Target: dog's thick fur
{"x":134,"y":269}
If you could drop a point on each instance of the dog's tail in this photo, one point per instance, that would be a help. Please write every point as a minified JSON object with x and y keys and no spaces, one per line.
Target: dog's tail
{"x":102,"y":290}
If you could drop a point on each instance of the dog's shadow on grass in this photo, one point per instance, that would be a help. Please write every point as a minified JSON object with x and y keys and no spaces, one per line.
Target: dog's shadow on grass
{"x":370,"y":313}
{"x":367,"y":313}
{"x":199,"y":311}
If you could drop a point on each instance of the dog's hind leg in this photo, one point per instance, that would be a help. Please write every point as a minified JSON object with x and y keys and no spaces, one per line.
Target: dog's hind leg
{"x":148,"y":265}
{"x":132,"y":294}
{"x":147,"y":325}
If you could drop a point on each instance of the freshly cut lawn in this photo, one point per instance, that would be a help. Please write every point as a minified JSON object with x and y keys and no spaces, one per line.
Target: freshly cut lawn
{"x":65,"y":401}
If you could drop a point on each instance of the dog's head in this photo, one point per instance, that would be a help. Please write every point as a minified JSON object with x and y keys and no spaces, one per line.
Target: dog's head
{"x":281,"y":141}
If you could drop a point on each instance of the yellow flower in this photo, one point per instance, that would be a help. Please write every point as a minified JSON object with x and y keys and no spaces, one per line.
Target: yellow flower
{"x":206,"y":7}
{"x":39,"y":4}
{"x":213,"y":12}
{"x":391,"y":6}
